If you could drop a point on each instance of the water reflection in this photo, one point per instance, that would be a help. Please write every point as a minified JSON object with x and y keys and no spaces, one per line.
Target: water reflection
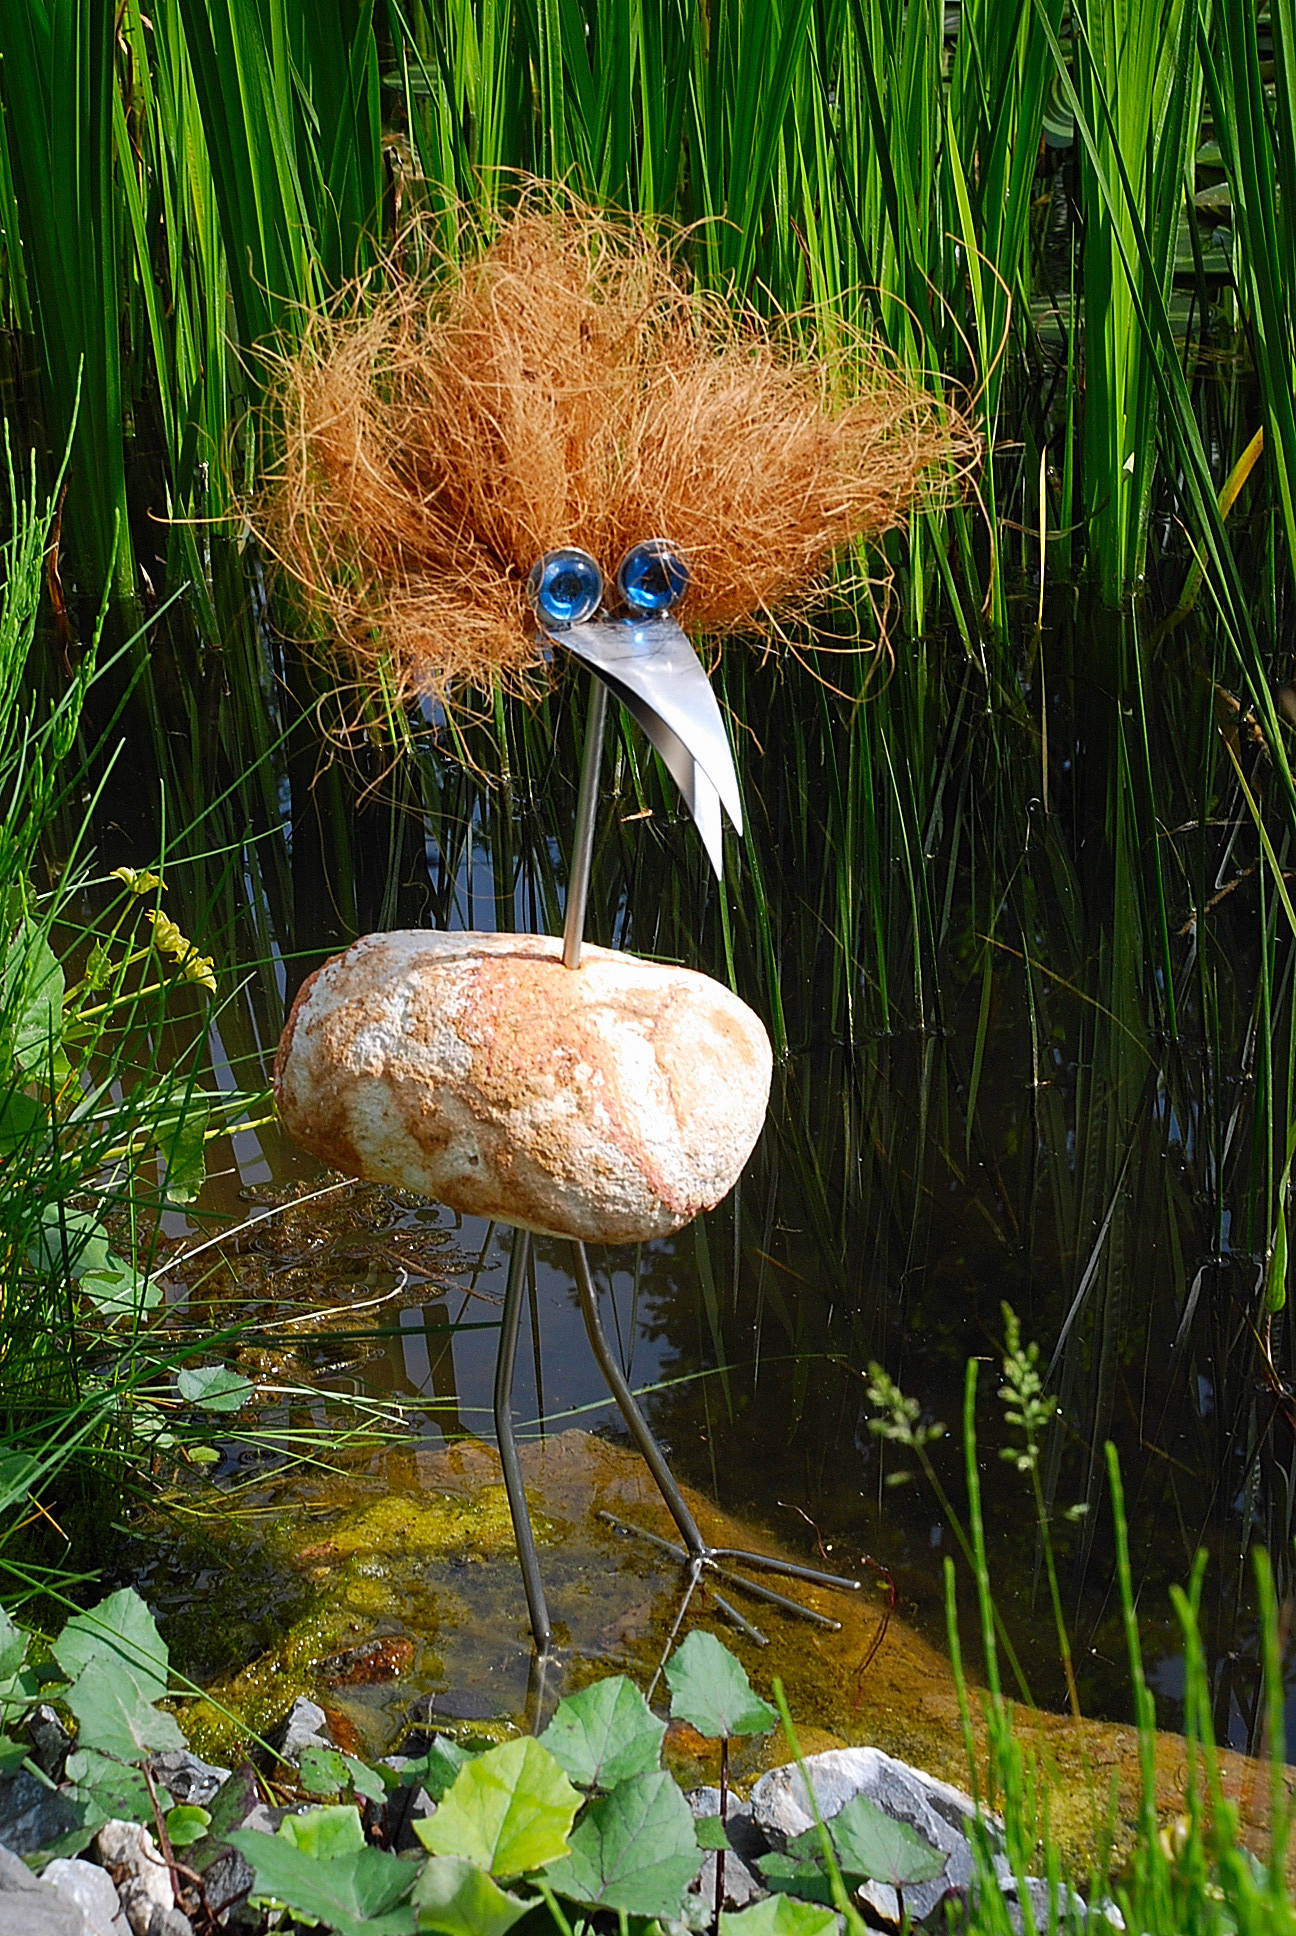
{"x":983,"y":1099}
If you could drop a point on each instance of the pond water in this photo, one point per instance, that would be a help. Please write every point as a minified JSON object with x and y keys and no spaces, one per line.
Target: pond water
{"x":870,"y":1224}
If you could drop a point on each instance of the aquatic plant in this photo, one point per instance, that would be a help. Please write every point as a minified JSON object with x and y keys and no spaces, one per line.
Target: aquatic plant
{"x":103,"y":1119}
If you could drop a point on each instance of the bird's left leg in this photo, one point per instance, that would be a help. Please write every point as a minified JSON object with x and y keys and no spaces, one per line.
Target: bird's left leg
{"x":528,"y":1560}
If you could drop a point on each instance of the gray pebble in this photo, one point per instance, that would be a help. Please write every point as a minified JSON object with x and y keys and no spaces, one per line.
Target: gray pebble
{"x":93,"y":1889}
{"x":29,"y":1907}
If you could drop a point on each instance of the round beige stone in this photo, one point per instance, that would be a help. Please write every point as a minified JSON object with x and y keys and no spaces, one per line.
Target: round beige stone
{"x":610,"y":1102}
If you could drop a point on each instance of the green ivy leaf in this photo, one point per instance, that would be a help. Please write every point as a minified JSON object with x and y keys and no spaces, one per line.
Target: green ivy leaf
{"x":459,"y":1899}
{"x":634,"y":1850}
{"x":215,"y":1387}
{"x":710,"y":1690}
{"x":779,"y":1916}
{"x":17,"y":1470}
{"x":785,"y":1874}
{"x":120,"y":1628}
{"x":21,"y":1121}
{"x":13,"y":1649}
{"x":355,"y":1894}
{"x":116,"y":1715}
{"x":183,"y":1147}
{"x":438,"y":1768}
{"x":872,"y":1844}
{"x":120,"y":1291}
{"x":186,"y":1824}
{"x":12,"y":1755}
{"x":510,"y":1810}
{"x":70,"y":1240}
{"x":605,"y":1734}
{"x":21,"y":1690}
{"x":325,"y":1833}
{"x":323,"y":1771}
{"x":710,"y":1832}
{"x":113,"y":1791}
{"x":31,"y":997}
{"x":326,"y":1771}
{"x":98,"y":967}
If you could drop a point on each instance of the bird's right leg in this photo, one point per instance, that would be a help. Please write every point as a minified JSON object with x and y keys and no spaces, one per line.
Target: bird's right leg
{"x":696,"y":1553}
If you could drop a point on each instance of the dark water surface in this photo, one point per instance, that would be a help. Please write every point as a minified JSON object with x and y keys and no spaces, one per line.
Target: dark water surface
{"x":750,"y":1364}
{"x":949,"y":1128}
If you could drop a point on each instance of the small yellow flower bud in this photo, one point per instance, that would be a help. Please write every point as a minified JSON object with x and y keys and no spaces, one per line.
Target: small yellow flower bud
{"x":139,"y":880}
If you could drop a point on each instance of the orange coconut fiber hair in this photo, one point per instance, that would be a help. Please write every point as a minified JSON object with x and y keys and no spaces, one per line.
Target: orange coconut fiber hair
{"x":564,"y":386}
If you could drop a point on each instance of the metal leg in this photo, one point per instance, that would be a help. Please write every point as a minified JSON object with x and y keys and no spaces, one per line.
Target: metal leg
{"x":698,"y":1550}
{"x":634,"y":1418}
{"x":696,"y":1554}
{"x":522,"y":1533}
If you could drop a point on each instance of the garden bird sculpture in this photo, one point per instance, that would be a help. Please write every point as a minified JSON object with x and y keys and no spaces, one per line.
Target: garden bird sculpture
{"x":551,"y":446}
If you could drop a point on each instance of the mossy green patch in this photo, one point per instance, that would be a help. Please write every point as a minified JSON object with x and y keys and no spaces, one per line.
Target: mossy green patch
{"x":403,"y":1524}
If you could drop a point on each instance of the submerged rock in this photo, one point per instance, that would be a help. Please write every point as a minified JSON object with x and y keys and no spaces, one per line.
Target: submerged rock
{"x":383,"y":1658}
{"x":419,"y":1546}
{"x":32,"y":1815}
{"x":611,"y":1102}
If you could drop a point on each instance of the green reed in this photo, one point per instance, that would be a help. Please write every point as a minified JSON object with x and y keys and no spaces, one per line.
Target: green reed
{"x":1192,"y":1874}
{"x":104,"y":1006}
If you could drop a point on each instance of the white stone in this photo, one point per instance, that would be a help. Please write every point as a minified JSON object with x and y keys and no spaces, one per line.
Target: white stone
{"x":937,"y":1812}
{"x":143,"y":1879}
{"x":306,"y":1726}
{"x":29,"y":1907}
{"x":611,"y":1102}
{"x":91,"y":1888}
{"x":882,"y":1901}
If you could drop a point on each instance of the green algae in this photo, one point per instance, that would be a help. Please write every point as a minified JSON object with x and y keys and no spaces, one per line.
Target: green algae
{"x":421,"y":1547}
{"x":402,"y":1526}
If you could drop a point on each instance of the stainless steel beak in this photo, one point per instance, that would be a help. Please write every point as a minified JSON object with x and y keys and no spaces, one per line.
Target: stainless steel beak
{"x":655,"y":673}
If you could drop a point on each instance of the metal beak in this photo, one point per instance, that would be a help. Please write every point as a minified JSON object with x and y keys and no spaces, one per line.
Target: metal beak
{"x":655,"y":673}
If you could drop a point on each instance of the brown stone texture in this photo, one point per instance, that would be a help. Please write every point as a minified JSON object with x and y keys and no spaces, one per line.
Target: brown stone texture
{"x":611,"y":1102}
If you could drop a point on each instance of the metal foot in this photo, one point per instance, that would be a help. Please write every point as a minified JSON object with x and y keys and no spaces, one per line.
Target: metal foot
{"x":522,"y":1533}
{"x":695,"y":1553}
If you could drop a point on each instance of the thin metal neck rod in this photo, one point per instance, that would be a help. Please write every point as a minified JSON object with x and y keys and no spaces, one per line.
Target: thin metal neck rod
{"x":586,"y":815}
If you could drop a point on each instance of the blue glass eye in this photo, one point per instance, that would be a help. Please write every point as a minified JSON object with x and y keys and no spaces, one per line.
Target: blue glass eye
{"x":653,"y":576}
{"x":565,"y":587}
